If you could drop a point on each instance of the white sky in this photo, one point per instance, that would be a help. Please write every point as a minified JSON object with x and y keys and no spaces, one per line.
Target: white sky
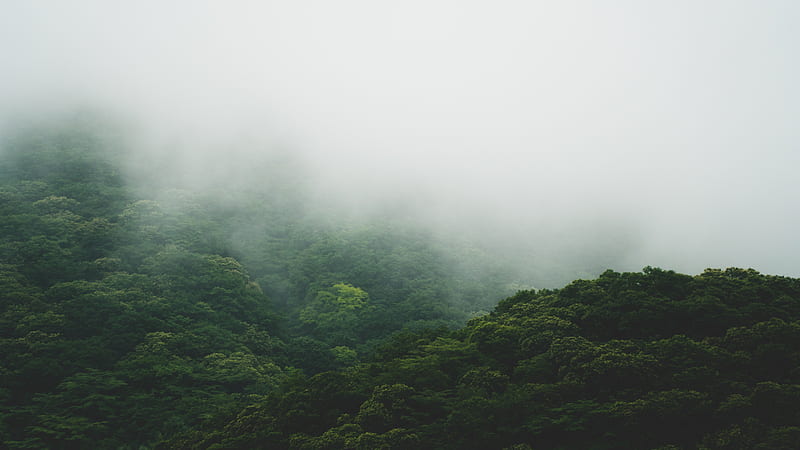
{"x":678,"y":119}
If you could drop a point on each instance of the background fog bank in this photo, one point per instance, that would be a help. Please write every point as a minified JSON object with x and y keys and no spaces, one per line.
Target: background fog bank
{"x":620,"y":135}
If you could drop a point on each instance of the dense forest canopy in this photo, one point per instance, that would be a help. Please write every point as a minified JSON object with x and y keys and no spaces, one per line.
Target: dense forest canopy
{"x":148,"y":288}
{"x":399,"y":225}
{"x":630,"y":360}
{"x":137,"y":312}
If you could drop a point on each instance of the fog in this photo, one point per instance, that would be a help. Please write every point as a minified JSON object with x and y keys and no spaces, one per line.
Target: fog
{"x":607,"y":134}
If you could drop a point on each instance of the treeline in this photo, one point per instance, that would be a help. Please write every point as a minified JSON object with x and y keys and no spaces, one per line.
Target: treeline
{"x":134,"y":306}
{"x":651,"y":360}
{"x":142,"y":308}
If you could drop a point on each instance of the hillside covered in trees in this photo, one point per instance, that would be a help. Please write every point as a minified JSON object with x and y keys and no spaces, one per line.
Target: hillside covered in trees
{"x":635,"y":360}
{"x":139,"y":312}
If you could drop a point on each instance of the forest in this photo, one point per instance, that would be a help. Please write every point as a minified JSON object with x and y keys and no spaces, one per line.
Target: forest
{"x":141,"y":312}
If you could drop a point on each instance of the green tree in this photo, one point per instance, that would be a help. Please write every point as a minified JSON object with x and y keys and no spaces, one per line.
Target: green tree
{"x":337,"y":314}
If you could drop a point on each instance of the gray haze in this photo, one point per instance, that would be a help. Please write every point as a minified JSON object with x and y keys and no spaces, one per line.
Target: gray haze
{"x":619,"y":133}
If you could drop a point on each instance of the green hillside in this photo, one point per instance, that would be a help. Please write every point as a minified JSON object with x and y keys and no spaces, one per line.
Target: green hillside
{"x":627,"y":361}
{"x":141,"y":310}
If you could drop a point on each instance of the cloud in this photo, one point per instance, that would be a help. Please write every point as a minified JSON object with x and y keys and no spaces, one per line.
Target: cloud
{"x":674,"y":124}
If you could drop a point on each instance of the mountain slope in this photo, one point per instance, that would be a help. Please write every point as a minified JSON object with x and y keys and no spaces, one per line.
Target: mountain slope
{"x":629,"y":360}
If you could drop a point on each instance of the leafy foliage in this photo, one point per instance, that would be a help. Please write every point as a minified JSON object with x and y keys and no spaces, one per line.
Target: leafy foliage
{"x":159,"y":315}
{"x":134,"y":307}
{"x":541,"y":372}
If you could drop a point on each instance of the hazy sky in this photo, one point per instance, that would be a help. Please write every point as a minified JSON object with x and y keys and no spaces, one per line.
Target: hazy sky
{"x":675,"y":123}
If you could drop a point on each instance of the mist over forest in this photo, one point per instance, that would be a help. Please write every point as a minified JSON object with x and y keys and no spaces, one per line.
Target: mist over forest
{"x":440,"y":224}
{"x":621,"y":135}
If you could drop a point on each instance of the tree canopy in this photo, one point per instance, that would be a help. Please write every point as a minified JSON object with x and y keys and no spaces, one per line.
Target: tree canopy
{"x":137,"y":312}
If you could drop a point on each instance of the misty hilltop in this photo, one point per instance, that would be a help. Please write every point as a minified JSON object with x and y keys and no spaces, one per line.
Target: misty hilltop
{"x":362,"y":225}
{"x":153,"y":311}
{"x":627,"y":134}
